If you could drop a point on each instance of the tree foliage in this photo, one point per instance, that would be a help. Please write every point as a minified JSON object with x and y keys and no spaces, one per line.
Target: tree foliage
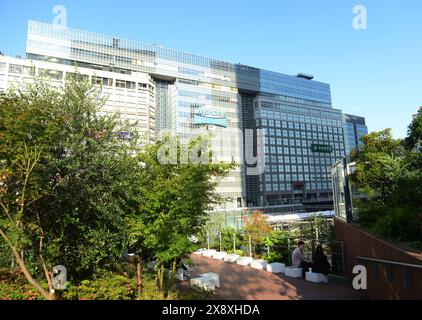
{"x":175,"y":199}
{"x":65,"y":178}
{"x":389,"y":172}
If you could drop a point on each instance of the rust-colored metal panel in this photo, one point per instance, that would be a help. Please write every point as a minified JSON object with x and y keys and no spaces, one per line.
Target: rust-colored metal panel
{"x":385,"y":281}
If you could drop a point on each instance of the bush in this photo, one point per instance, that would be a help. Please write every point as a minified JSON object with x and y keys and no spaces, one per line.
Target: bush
{"x":111,"y":287}
{"x":6,"y":256}
{"x":14,"y":286}
{"x":369,"y":213}
{"x":399,"y":224}
{"x":278,"y":242}
{"x":227,"y":239}
{"x":237,"y":251}
{"x":416,"y":244}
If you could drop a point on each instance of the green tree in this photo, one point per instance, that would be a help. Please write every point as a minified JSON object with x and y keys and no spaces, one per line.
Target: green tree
{"x":175,"y":198}
{"x":414,"y":136}
{"x":379,"y":166}
{"x":256,"y":228}
{"x":66,"y":180}
{"x":389,"y":172}
{"x":278,"y":243}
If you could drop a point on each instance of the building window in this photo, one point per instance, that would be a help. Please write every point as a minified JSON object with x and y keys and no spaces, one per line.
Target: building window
{"x":125,"y":84}
{"x":18,"y":69}
{"x":48,"y":73}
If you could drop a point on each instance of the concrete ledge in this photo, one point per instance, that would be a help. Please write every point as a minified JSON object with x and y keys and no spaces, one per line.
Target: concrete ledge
{"x":213,"y":277}
{"x":203,"y":283}
{"x":209,"y":253}
{"x":276,"y":267}
{"x":259,"y":264}
{"x":219,"y":255}
{"x":244,"y":261}
{"x":232,"y":258}
{"x":293,"y":272}
{"x":316,"y":277}
{"x":200,"y":251}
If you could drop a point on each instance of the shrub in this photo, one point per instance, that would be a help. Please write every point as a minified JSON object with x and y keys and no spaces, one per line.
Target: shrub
{"x":279,"y":248}
{"x":110,"y":287}
{"x":14,"y":286}
{"x":237,"y":251}
{"x":398,"y":224}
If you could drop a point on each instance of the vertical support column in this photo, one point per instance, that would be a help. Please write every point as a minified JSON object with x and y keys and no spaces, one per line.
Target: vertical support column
{"x":250,"y":246}
{"x":234,"y":242}
{"x":219,"y":235}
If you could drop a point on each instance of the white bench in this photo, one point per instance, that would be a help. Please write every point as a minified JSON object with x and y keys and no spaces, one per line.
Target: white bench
{"x":209,"y":253}
{"x":232,"y":258}
{"x":259,"y":264}
{"x":219,"y":255}
{"x":244,"y":261}
{"x":203,"y":283}
{"x":316,"y":277}
{"x":214,"y":277}
{"x":293,"y":272}
{"x":276,"y":267}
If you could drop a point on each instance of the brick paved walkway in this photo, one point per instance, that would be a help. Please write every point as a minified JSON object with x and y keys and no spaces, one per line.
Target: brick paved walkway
{"x":244,"y":283}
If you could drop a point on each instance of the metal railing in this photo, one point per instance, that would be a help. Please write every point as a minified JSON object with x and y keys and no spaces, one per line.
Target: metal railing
{"x":407,"y":276}
{"x":402,"y":264}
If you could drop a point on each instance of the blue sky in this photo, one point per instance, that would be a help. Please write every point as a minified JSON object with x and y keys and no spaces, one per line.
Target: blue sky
{"x":376,"y":73}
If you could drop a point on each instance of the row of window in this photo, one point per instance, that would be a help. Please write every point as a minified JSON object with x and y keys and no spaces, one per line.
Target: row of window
{"x":276,"y":148}
{"x":274,"y":115}
{"x":298,"y":169}
{"x":295,"y":176}
{"x":298,"y":142}
{"x":58,"y":75}
{"x":299,"y":125}
{"x":278,"y":137}
{"x":296,"y":100}
{"x":278,"y":159}
{"x":305,"y":152}
{"x":288,"y":187}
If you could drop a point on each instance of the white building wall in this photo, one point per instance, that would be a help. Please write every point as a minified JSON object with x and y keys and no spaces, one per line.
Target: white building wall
{"x":135,"y":105}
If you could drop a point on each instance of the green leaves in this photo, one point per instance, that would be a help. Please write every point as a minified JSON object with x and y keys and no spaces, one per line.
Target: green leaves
{"x":71,"y":206}
{"x":389,"y":172}
{"x":174,"y":200}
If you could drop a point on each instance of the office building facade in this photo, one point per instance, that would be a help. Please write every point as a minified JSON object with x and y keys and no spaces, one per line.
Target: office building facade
{"x":354,"y":129}
{"x":296,"y":131}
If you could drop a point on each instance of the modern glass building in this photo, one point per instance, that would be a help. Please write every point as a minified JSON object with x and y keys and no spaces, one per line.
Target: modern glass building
{"x":296,"y":131}
{"x":354,"y":129}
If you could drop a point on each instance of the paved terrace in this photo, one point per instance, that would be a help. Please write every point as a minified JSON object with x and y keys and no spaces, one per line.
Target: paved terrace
{"x":244,"y":283}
